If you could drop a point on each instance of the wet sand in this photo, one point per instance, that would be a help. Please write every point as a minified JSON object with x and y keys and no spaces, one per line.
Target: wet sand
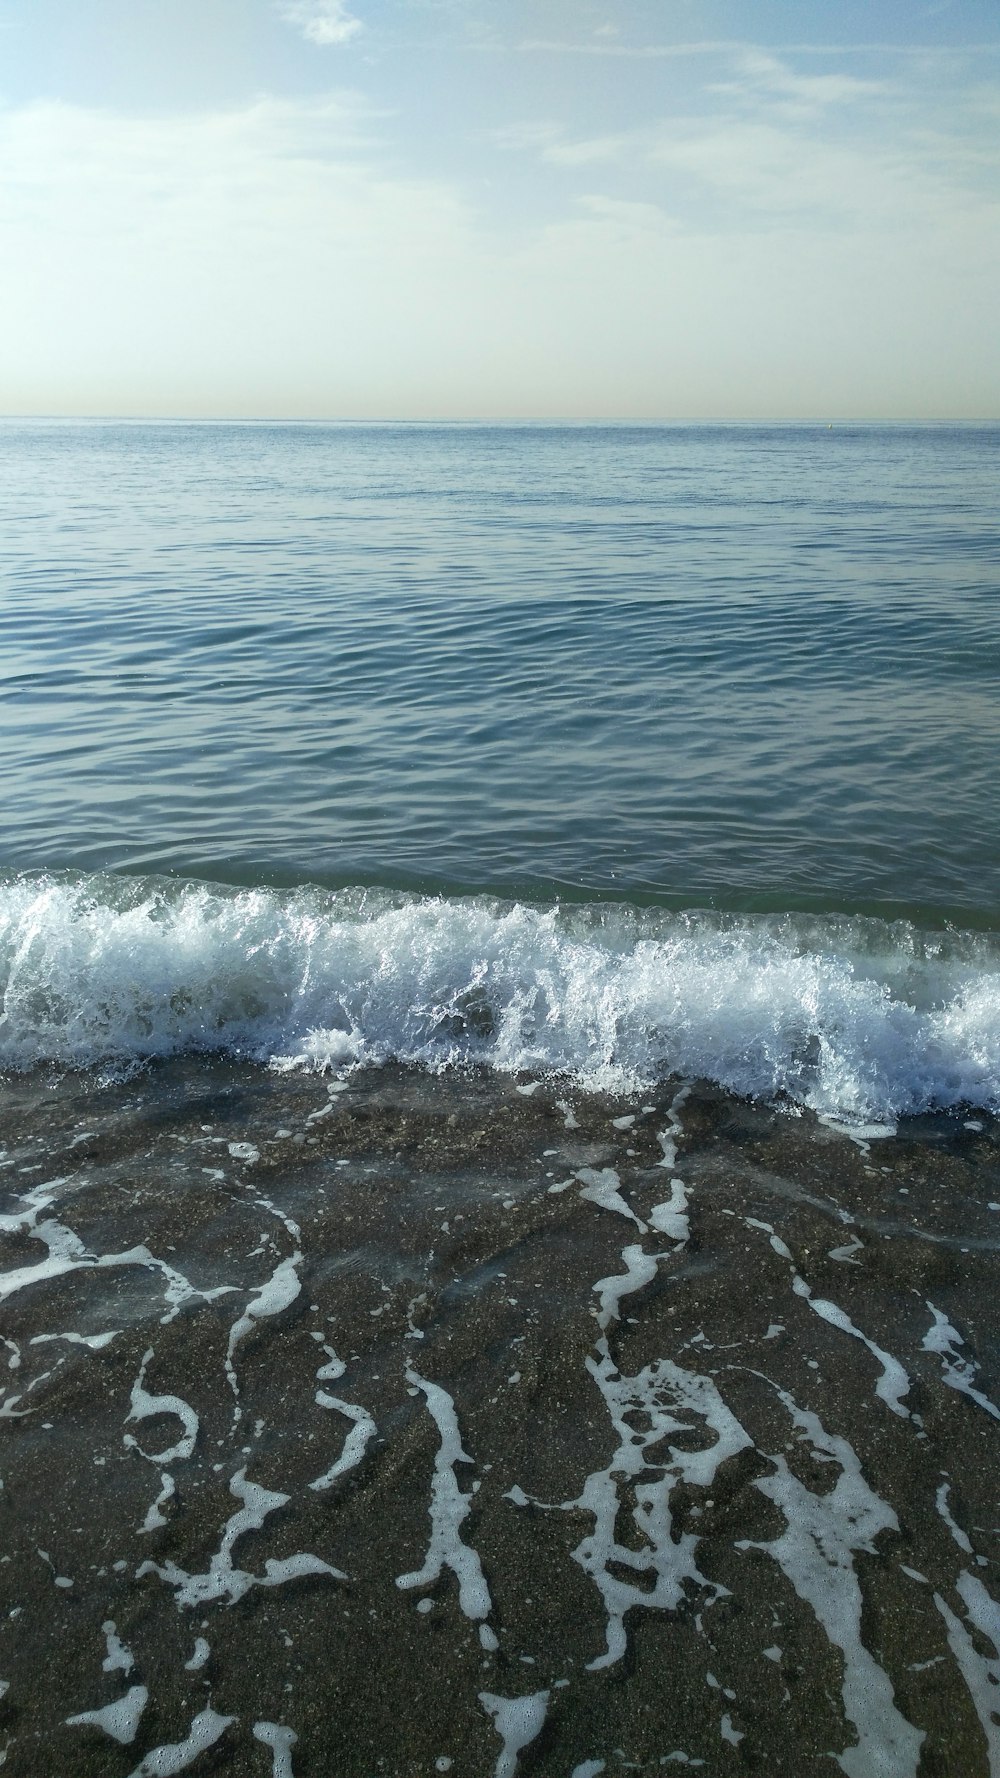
{"x":409,"y":1425}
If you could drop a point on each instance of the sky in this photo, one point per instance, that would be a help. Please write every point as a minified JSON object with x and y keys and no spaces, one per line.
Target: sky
{"x":422,"y":209}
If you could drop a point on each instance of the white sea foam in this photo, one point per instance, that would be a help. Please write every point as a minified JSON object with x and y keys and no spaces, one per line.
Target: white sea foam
{"x":224,"y":1581}
{"x":449,"y":1508}
{"x":206,"y":1729}
{"x":823,"y":1532}
{"x":981,"y":1672}
{"x":518,"y":1722}
{"x":856,"y":1018}
{"x":120,"y":1720}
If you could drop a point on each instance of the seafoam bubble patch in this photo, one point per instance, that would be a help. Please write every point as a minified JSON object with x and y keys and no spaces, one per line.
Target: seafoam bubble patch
{"x":860,"y":1020}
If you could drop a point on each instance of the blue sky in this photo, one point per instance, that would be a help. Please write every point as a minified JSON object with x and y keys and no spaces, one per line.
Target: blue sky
{"x":422,"y":208}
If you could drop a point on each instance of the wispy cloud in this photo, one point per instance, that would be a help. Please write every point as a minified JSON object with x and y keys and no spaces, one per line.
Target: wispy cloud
{"x":600,"y":45}
{"x":321,"y":21}
{"x":526,"y":136}
{"x":585,"y":153}
{"x":759,"y":74}
{"x":798,"y":243}
{"x":548,"y":140}
{"x":760,"y":141}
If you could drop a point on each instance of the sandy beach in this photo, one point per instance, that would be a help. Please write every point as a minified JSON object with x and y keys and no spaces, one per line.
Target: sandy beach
{"x":407,"y":1424}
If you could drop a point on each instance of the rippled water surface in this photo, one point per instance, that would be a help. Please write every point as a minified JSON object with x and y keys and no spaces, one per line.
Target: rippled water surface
{"x":747,"y":667}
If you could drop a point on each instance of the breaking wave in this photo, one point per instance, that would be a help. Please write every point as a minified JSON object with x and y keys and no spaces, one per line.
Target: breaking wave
{"x":855,"y":1018}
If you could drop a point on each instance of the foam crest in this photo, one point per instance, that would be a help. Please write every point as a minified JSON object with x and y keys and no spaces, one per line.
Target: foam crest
{"x":855,"y":1018}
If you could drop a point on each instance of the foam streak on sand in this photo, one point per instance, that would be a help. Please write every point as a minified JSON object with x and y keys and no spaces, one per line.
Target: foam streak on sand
{"x":980,"y":1672}
{"x":67,"y":1253}
{"x":362,"y":1431}
{"x":645,"y":1409}
{"x":956,"y":1371}
{"x":119,"y":1720}
{"x":894,"y":1381}
{"x":207,"y":1728}
{"x":271,"y":1298}
{"x":148,"y":1407}
{"x":224,"y":1581}
{"x":449,"y":1508}
{"x":816,"y":1551}
{"x":518,"y":1722}
{"x":280,"y":1740}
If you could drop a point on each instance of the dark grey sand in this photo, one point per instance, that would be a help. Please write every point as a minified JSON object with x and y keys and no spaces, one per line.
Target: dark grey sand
{"x":794,"y":1520}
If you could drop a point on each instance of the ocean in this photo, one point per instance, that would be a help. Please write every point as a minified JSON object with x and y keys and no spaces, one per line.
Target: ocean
{"x":499,"y":1100}
{"x":611,"y":751}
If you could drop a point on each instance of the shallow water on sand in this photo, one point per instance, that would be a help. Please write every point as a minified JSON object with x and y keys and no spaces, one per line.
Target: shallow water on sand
{"x":412,"y":1420}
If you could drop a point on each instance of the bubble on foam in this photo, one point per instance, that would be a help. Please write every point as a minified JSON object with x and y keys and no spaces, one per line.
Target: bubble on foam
{"x":518,"y":1722}
{"x":163,"y":1762}
{"x":280,"y":1740}
{"x":119,"y":1720}
{"x":859,"y":1019}
{"x":118,"y":1659}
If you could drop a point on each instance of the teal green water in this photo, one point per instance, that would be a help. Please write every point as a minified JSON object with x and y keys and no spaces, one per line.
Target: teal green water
{"x":751,"y":668}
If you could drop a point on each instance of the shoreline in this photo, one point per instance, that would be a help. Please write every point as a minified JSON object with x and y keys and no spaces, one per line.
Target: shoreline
{"x":686,"y":1422}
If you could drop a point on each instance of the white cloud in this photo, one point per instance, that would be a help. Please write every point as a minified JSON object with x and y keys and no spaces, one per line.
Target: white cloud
{"x":775,"y":145}
{"x":587,"y":151}
{"x":322,"y":21}
{"x":521,"y":137}
{"x":761,"y":75}
{"x":263,"y":260}
{"x":601,"y":45}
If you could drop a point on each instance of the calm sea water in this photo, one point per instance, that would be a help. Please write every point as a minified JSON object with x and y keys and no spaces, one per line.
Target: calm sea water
{"x":631,"y":670}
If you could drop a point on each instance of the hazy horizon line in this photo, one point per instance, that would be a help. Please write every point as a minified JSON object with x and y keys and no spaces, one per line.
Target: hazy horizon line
{"x":567,"y":420}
